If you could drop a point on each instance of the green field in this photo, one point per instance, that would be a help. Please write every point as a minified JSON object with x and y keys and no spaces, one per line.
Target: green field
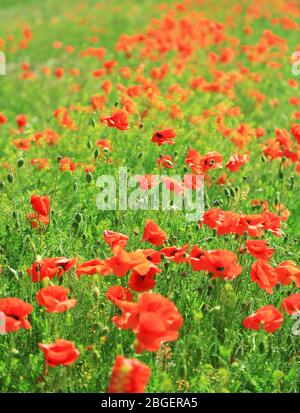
{"x":215,"y":73}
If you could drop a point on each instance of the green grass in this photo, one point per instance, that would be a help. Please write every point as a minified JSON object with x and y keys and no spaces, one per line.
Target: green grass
{"x":214,"y":353}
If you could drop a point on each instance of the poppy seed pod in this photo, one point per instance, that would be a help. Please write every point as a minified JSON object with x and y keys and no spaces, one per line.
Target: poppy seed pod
{"x":10,"y":178}
{"x":89,"y":177}
{"x":20,"y":162}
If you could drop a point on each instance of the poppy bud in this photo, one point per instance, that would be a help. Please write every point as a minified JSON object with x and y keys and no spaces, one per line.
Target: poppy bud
{"x":227,"y":192}
{"x":263,"y":159}
{"x":1,"y":185}
{"x":78,"y":217}
{"x":96,"y":354}
{"x":291,"y":183}
{"x":96,"y":153}
{"x":7,"y":227}
{"x":280,"y":174}
{"x":20,"y":162}
{"x":59,"y":158}
{"x":10,"y":178}
{"x":92,"y":122}
{"x":182,"y":370}
{"x":89,"y":177}
{"x":217,"y":202}
{"x":75,"y":225}
{"x":15,"y":214}
{"x":140,"y":155}
{"x":232,"y":192}
{"x":96,"y":293}
{"x":89,"y":145}
{"x":84,"y":236}
{"x":15,"y":352}
{"x":141,"y":126}
{"x":75,"y":186}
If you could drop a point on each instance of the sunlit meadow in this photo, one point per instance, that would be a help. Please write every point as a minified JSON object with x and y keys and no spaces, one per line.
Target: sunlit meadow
{"x":123,"y":299}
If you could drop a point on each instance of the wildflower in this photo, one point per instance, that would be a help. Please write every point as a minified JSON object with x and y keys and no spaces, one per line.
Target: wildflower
{"x":268,"y":318}
{"x":128,"y":376}
{"x":60,"y":353}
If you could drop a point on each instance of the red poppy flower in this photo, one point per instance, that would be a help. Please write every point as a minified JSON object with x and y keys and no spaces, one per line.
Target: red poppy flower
{"x":212,"y":160}
{"x":115,"y":238}
{"x":124,"y":261}
{"x":93,"y":267}
{"x":60,"y":353}
{"x":118,"y":120}
{"x":23,"y":144}
{"x":98,"y":102}
{"x":250,"y":224}
{"x":166,"y":161}
{"x":128,"y":376}
{"x":50,"y":267}
{"x":172,"y":185}
{"x":192,"y":182}
{"x":153,"y":318}
{"x":15,"y":311}
{"x":164,"y":136}
{"x":153,"y":233}
{"x":40,"y":204}
{"x":3,"y":118}
{"x":220,"y":263}
{"x":176,"y":254}
{"x":21,"y":121}
{"x":40,"y":163}
{"x":104,"y":144}
{"x":259,"y":249}
{"x":117,"y":293}
{"x":143,"y":282}
{"x":288,"y":271}
{"x":268,"y":317}
{"x":235,"y":162}
{"x":295,"y":131}
{"x":224,"y":222}
{"x":201,"y":164}
{"x":264,"y":275}
{"x":291,"y":304}
{"x":55,"y":299}
{"x":65,"y":164}
{"x":193,"y":160}
{"x":59,"y":72}
{"x":147,"y":181}
{"x":272,"y":223}
{"x":152,"y":255}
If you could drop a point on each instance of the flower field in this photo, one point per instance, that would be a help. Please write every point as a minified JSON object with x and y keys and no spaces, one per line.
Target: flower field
{"x":103,"y":291}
